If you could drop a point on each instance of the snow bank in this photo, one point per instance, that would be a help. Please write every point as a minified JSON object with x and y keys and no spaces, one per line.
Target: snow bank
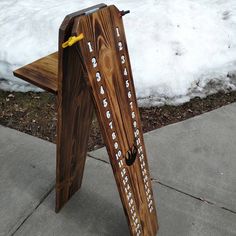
{"x":178,"y":48}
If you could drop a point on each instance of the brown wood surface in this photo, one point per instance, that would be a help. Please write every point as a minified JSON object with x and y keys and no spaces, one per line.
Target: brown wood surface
{"x":75,"y":112}
{"x":105,"y":58}
{"x":97,"y":72}
{"x":43,"y":73}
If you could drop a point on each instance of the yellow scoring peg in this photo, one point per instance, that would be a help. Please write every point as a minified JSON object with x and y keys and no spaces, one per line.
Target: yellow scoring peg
{"x":72,"y":40}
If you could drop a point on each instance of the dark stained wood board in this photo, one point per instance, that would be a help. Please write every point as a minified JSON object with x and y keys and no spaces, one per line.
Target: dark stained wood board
{"x":75,"y":112}
{"x":106,"y":60}
{"x":43,"y":73}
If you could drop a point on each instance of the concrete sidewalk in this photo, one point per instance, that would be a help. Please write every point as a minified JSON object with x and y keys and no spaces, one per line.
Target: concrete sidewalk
{"x":193,"y":165}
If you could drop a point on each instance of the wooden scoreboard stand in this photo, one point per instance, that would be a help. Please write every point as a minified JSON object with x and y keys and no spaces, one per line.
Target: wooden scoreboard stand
{"x":94,"y":72}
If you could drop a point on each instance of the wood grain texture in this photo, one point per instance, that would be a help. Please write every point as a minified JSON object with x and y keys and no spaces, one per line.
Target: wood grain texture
{"x":106,"y":60}
{"x":75,"y":112}
{"x":43,"y":73}
{"x":96,"y":72}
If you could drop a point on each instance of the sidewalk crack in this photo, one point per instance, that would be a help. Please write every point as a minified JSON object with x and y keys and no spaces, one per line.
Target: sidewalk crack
{"x":98,"y":159}
{"x":34,"y":209}
{"x":193,"y":196}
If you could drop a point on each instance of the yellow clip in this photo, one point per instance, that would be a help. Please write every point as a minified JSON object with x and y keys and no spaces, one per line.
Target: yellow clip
{"x":72,"y":40}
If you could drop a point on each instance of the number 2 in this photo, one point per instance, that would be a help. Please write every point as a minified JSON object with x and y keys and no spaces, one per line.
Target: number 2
{"x":120,"y":46}
{"x":94,"y":62}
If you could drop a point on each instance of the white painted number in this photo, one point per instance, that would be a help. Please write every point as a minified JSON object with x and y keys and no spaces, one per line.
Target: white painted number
{"x":102,"y":90}
{"x":131,"y":105}
{"x":118,"y":154}
{"x":138,"y":141}
{"x":133,"y":115}
{"x":108,"y":114}
{"x":111,"y":125}
{"x":113,"y":135}
{"x":120,"y":46}
{"x":105,"y":103}
{"x":122,"y":59}
{"x":120,"y":165}
{"x":125,"y":72}
{"x":136,"y":133}
{"x":117,"y":32}
{"x":123,"y":172}
{"x":116,"y":145}
{"x":90,"y":47}
{"x":98,"y":76}
{"x":94,"y":62}
{"x":129,"y":94}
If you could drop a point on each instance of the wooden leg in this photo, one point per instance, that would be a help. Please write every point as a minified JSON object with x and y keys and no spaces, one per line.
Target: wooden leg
{"x":75,"y":113}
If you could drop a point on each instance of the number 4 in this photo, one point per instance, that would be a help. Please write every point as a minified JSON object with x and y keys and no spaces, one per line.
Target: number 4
{"x":105,"y":103}
{"x":125,"y":72}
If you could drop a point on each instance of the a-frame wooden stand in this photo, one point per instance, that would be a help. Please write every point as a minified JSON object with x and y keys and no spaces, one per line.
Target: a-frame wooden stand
{"x":95,"y":72}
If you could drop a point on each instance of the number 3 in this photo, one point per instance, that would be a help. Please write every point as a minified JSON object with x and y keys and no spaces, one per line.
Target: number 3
{"x":122,"y":59}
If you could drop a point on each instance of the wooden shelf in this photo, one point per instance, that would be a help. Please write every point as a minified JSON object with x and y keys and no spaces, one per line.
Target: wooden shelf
{"x":43,"y":73}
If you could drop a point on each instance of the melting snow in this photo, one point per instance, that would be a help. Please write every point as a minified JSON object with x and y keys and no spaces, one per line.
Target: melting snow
{"x":179,"y":48}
